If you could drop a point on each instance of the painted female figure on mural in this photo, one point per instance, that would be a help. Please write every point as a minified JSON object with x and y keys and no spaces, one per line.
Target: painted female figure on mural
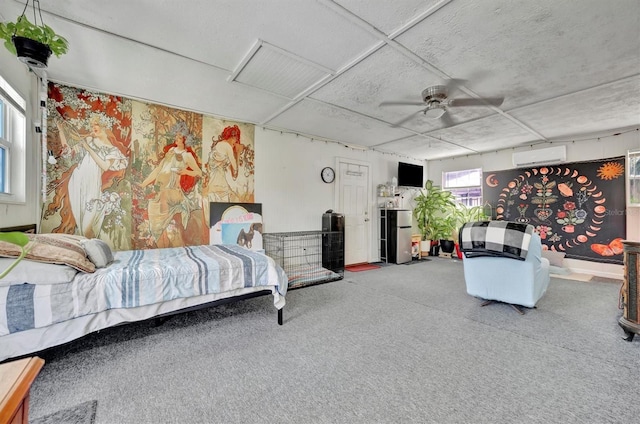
{"x":175,"y":177}
{"x":98,"y":162}
{"x":223,"y":156}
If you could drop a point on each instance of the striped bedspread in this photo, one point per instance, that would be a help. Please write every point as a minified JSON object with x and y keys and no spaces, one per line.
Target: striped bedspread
{"x":137,"y":278}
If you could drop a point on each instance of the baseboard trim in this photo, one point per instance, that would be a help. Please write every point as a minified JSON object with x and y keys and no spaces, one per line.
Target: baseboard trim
{"x":616,"y":275}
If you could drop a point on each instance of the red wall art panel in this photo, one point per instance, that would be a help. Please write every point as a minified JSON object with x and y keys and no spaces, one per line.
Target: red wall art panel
{"x":139,"y":175}
{"x":577,"y":208}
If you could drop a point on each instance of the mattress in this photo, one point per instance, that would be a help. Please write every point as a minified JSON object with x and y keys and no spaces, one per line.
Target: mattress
{"x":136,"y":281}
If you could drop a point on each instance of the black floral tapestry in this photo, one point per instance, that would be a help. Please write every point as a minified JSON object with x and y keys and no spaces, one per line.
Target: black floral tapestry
{"x":577,"y":208}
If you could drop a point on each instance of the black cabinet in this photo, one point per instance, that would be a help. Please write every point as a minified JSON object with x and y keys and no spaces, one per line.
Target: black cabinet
{"x":333,"y":241}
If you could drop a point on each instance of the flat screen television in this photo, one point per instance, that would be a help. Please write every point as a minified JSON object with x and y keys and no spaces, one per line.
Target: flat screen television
{"x":409,"y":175}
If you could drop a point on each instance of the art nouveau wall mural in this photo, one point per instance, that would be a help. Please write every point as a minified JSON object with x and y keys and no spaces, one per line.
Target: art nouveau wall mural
{"x":577,"y":208}
{"x":139,"y":175}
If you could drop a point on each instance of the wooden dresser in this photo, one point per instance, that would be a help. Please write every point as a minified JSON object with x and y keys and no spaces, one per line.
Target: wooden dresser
{"x":15,"y":383}
{"x":630,"y":320}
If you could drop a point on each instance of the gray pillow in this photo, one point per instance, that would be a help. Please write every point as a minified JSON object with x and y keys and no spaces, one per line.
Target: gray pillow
{"x":35,"y":272}
{"x":53,"y":249}
{"x":98,"y":252}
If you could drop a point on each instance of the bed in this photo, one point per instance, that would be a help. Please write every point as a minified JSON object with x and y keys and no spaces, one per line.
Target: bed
{"x":42,"y":312}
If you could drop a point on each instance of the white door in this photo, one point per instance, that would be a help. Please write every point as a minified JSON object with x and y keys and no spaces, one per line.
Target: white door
{"x":353,"y":202}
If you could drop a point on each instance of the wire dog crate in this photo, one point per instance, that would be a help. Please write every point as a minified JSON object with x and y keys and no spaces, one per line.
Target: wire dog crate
{"x":307,"y":257}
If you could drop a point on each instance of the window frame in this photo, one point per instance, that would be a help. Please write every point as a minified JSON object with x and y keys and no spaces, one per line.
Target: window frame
{"x":13,"y":141}
{"x":456,"y":190}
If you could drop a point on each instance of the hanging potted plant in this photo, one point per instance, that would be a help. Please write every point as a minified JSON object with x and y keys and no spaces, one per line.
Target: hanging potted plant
{"x":33,"y":43}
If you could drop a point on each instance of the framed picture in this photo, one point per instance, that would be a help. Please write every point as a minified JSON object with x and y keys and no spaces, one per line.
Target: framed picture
{"x":236,"y":223}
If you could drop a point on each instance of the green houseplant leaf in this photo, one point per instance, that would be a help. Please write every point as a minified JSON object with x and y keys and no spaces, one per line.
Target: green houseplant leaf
{"x":433,"y":209}
{"x":19,"y":239}
{"x":44,"y":34}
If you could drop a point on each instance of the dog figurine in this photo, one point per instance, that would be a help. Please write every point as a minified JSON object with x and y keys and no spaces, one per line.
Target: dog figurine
{"x":245,"y":238}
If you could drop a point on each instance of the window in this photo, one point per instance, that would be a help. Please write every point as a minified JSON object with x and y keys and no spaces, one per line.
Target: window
{"x":466,"y":185}
{"x":12,"y":144}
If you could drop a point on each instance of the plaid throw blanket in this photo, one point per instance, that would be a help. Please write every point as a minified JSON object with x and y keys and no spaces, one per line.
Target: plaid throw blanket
{"x":495,"y":238}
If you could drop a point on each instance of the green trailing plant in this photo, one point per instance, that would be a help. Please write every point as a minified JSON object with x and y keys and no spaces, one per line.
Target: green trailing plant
{"x":19,"y":239}
{"x":448,"y":224}
{"x":433,"y":209}
{"x":44,"y":34}
{"x":464,"y":214}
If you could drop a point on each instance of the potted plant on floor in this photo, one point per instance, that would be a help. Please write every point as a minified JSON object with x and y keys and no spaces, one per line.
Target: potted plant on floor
{"x":32,"y":43}
{"x":431,"y":205}
{"x":449,"y":230}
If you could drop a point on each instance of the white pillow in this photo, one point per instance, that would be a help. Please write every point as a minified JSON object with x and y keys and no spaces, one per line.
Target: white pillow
{"x":98,"y":252}
{"x":35,"y":272}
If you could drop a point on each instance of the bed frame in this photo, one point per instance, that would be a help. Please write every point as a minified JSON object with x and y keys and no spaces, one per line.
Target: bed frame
{"x":158,"y":318}
{"x":164,"y":317}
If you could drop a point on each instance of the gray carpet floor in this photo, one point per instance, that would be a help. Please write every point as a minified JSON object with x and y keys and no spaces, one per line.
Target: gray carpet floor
{"x":84,"y":413}
{"x":399,"y":344}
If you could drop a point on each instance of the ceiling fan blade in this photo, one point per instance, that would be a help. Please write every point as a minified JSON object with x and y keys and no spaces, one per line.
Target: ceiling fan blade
{"x":453,"y":84}
{"x":448,"y":122}
{"x":486,"y":101}
{"x":402,"y":121}
{"x":402,"y":103}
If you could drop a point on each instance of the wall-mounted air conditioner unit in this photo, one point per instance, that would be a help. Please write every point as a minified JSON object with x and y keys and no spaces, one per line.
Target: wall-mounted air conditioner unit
{"x":548,"y":156}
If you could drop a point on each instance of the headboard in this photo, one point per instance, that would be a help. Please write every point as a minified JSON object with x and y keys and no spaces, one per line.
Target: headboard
{"x":29,"y":229}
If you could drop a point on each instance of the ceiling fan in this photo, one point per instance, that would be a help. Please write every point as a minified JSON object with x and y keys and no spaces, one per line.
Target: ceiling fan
{"x":436,"y":103}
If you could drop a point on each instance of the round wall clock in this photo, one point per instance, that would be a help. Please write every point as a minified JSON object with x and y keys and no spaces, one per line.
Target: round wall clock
{"x":328,"y":174}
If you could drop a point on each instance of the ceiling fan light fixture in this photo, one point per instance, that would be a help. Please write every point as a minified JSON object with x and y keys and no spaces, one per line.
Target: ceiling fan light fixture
{"x":435,"y":111}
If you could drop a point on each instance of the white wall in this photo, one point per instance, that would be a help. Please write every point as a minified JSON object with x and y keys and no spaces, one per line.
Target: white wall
{"x":289,"y":186}
{"x":287,"y":168}
{"x":588,"y":147}
{"x":25,"y":83}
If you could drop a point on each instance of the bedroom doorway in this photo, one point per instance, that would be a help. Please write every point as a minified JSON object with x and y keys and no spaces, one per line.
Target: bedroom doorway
{"x":352,"y":193}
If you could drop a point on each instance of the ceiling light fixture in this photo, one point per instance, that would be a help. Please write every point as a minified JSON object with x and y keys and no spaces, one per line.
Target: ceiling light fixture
{"x":435,"y":110}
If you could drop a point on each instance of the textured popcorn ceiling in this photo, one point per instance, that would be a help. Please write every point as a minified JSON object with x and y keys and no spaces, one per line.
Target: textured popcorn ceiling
{"x":564,"y":68}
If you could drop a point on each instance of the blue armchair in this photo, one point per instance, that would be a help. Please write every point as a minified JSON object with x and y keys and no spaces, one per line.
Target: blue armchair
{"x":508,"y":280}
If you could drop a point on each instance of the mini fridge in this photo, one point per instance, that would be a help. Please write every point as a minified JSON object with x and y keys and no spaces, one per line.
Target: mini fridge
{"x":396,"y":234}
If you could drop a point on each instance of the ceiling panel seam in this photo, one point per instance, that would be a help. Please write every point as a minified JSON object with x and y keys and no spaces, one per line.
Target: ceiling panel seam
{"x":314,"y":88}
{"x":278,"y":71}
{"x":384,"y":40}
{"x":414,"y":57}
{"x":415,"y":21}
{"x":426,"y":137}
{"x":573,"y":93}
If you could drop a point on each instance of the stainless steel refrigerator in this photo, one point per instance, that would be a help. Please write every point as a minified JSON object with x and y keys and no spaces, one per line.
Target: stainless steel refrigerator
{"x":396,"y":227}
